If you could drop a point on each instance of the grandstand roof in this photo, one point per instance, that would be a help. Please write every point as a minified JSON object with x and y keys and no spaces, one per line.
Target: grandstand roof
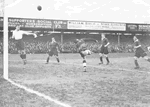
{"x":129,"y":11}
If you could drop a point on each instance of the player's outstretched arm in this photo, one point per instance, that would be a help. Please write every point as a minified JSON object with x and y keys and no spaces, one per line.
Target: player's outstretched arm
{"x":28,"y":33}
{"x":137,"y":46}
{"x":148,"y":48}
{"x":107,"y":44}
{"x":58,"y":47}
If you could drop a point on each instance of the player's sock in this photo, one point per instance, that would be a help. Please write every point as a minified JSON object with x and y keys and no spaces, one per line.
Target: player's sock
{"x":107,"y":60}
{"x":84,"y":65}
{"x":24,"y":61}
{"x":101,"y":59}
{"x":136,"y":63}
{"x":58,"y":60}
{"x":21,"y":56}
{"x":148,"y":59}
{"x":47,"y":60}
{"x":24,"y":58}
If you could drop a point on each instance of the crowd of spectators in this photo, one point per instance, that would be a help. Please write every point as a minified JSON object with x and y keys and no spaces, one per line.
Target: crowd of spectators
{"x":35,"y":46}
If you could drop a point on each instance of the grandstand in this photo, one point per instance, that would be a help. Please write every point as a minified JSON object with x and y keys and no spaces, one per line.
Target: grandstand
{"x":120,"y":38}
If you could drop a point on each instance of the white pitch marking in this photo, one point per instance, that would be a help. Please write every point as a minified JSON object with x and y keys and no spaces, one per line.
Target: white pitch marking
{"x":47,"y":97}
{"x":38,"y":94}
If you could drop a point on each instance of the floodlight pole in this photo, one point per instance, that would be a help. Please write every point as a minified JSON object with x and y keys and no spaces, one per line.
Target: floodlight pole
{"x":5,"y":42}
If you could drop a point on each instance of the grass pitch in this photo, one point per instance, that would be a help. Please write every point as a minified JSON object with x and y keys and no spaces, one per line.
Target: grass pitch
{"x":114,"y":85}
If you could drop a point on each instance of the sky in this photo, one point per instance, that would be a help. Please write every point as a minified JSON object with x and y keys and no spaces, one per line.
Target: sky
{"x":128,"y":11}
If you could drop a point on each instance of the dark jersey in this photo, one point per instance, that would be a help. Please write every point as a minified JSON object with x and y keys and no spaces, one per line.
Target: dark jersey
{"x":139,"y":52}
{"x":54,"y":46}
{"x":104,"y":41}
{"x":81,"y":45}
{"x":137,"y":43}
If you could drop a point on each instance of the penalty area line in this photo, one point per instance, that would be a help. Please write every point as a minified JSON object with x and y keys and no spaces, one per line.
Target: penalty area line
{"x":38,"y":94}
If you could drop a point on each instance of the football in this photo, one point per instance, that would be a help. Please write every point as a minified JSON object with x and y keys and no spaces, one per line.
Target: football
{"x":39,"y":8}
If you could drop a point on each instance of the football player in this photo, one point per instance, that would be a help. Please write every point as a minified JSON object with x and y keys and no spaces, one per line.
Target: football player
{"x":139,"y":52}
{"x":104,"y":49}
{"x":17,"y":35}
{"x":54,"y":49}
{"x":82,"y":49}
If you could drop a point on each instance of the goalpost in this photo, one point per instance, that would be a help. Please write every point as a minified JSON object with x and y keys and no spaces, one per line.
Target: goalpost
{"x":5,"y":42}
{"x":5,"y":36}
